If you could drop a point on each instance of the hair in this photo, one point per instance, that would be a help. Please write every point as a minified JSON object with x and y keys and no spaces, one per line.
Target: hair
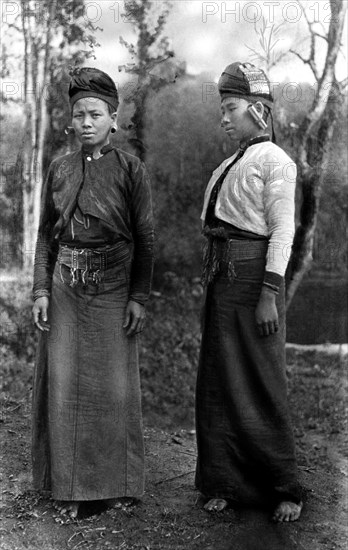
{"x":111,"y":109}
{"x":266,"y":112}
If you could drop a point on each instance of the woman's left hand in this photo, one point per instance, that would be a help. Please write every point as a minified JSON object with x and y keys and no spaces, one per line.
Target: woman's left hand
{"x":135,"y":318}
{"x":266,"y":313}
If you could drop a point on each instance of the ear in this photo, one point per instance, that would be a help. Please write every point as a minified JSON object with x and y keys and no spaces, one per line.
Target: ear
{"x":114,"y":126}
{"x":260,"y":108}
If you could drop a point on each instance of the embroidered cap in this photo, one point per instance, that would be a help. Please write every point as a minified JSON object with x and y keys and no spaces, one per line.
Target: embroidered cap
{"x":90,"y":82}
{"x":246,"y":81}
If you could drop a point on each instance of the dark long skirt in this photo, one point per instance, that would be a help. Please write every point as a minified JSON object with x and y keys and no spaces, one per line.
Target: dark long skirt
{"x":87,"y":425}
{"x":245,"y":442}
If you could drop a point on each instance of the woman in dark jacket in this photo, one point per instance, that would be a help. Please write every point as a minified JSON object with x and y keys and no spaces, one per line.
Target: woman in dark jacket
{"x":92,"y":276}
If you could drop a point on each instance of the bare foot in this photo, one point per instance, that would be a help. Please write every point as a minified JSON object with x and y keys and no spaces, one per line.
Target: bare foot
{"x":120,"y":502}
{"x":215,"y":505}
{"x":287,"y":511}
{"x":69,"y":508}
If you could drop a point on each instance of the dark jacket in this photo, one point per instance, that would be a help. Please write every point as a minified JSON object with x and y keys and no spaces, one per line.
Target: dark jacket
{"x":115,"y":189}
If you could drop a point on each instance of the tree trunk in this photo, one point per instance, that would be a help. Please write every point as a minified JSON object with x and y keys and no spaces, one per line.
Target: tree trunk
{"x":28,"y":137}
{"x":37,"y":54}
{"x":312,"y":180}
{"x":313,"y":154}
{"x":42,"y":117}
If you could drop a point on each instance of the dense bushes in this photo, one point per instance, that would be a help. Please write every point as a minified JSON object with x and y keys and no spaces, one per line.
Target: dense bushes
{"x":168,"y":348}
{"x":17,"y":338}
{"x":169,"y":354}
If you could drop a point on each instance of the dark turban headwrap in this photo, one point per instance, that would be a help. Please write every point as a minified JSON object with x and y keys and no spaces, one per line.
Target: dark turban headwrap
{"x":246,"y":81}
{"x":90,"y":82}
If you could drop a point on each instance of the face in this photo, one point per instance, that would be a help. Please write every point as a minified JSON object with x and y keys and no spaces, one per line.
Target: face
{"x":236,"y":119}
{"x":92,"y":121}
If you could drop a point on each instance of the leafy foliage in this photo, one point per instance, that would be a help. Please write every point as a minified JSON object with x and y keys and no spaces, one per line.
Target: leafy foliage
{"x":185,"y":146}
{"x":17,"y":339}
{"x":168,"y":352}
{"x":148,"y":54}
{"x":170,"y":347}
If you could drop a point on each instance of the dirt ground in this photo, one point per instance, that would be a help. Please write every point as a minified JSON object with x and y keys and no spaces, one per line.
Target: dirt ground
{"x":170,"y":516}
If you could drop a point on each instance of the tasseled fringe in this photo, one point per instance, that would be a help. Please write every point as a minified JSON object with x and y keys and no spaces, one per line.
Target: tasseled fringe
{"x":214,"y":253}
{"x":84,"y":273}
{"x":211,"y":263}
{"x":229,"y":259}
{"x":74,"y":276}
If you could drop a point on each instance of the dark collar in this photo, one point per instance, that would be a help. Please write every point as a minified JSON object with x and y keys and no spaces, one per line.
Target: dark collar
{"x":106,"y":149}
{"x":253,"y":141}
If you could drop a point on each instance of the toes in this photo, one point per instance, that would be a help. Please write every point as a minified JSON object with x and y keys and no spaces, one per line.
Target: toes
{"x":221,"y":505}
{"x":74,"y":511}
{"x":296,"y":513}
{"x":215,"y":505}
{"x":128,"y":501}
{"x":67,"y":508}
{"x":287,"y":511}
{"x":281,"y":513}
{"x":122,"y":502}
{"x":210,"y":505}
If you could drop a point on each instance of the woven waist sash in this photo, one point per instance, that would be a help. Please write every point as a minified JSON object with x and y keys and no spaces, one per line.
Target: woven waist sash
{"x":218,"y":252}
{"x":233,"y":249}
{"x":94,"y":261}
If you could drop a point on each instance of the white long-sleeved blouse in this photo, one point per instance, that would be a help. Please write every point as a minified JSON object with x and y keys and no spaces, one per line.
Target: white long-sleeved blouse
{"x":258,"y":195}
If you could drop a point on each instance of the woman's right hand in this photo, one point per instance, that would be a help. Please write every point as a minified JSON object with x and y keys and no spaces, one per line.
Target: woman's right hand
{"x":40,"y":313}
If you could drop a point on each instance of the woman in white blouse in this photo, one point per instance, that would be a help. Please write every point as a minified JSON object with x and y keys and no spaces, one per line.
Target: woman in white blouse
{"x":245,"y":443}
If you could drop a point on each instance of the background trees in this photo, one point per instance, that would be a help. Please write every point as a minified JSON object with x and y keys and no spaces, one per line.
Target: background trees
{"x":151,"y":50}
{"x":186,"y":143}
{"x":311,"y":135}
{"x":316,"y":133}
{"x":50,"y":34}
{"x":166,"y":117}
